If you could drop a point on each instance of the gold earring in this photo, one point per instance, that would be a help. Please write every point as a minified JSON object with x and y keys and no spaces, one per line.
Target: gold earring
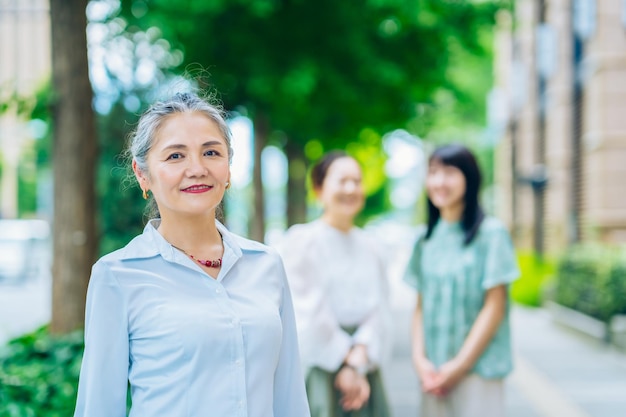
{"x":227,"y":185}
{"x":145,"y":194}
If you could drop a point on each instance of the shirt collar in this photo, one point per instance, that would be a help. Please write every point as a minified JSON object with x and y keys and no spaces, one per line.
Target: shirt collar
{"x":150,"y":243}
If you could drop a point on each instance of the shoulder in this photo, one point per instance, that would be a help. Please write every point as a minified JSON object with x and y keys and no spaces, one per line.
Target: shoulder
{"x":137,"y":245}
{"x":249,"y":245}
{"x":300,"y":235}
{"x":493,"y":226}
{"x":303,"y":230}
{"x":494,"y":233}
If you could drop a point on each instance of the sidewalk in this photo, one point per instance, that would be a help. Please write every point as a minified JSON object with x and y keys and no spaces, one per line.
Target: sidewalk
{"x":24,"y":307}
{"x":558,"y":373}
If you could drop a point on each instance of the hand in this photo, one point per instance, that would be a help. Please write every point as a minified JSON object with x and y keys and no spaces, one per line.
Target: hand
{"x":354,"y":388}
{"x":448,"y":377}
{"x":428,"y":376}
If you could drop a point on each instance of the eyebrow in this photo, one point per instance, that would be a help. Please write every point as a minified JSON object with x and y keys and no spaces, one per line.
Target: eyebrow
{"x":183,"y":146}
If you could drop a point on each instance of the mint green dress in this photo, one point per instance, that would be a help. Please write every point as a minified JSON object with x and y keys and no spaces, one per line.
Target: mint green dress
{"x":452,"y":279}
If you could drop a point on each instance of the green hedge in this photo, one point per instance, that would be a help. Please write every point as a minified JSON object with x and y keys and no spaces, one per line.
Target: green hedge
{"x":39,"y":375}
{"x":592,"y":279}
{"x":536,"y":272}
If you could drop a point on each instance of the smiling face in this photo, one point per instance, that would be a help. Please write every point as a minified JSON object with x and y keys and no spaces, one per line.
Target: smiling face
{"x":188,"y":166}
{"x":341,"y":192}
{"x":445,"y":185}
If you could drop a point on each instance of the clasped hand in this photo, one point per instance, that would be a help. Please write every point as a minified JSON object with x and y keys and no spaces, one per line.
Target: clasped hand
{"x":440,"y":381}
{"x":354,"y":386}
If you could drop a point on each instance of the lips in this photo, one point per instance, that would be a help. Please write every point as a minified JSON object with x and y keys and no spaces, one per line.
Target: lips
{"x":199,"y":188}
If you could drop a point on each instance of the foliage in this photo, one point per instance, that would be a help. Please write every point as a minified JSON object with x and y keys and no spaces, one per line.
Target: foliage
{"x":121,"y":205}
{"x":328,"y":71}
{"x":39,"y":375}
{"x":535,"y":273}
{"x":591,"y":278}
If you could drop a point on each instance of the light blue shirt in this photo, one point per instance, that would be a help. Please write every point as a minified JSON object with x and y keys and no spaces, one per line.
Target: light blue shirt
{"x":452,"y":280}
{"x":188,"y":344}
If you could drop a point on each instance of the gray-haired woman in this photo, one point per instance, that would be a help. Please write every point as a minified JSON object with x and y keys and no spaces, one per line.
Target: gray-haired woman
{"x":196,"y":320}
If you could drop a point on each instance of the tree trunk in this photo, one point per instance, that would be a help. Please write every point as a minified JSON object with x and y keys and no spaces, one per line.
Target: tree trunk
{"x":257,"y":220}
{"x":74,"y":162}
{"x":296,"y":184}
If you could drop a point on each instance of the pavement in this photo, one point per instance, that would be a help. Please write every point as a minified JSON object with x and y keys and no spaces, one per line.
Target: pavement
{"x":24,"y":306}
{"x":558,"y":372}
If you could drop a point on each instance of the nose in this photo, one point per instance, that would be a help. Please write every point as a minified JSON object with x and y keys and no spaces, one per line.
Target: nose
{"x":196,"y":167}
{"x":436,"y":179}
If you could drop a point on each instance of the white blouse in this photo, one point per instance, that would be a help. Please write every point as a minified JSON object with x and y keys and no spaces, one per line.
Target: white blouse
{"x":190,"y":345}
{"x":338,"y":281}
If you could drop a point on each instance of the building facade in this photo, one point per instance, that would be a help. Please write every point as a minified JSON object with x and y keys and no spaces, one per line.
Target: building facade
{"x":25,"y":63}
{"x":560,"y":71}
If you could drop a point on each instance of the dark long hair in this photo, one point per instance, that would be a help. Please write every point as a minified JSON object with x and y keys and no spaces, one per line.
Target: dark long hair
{"x":462,"y":158}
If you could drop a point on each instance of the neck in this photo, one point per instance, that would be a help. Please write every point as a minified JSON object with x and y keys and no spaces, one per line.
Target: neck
{"x":345,"y":224}
{"x":192,"y":234}
{"x":453,"y":213}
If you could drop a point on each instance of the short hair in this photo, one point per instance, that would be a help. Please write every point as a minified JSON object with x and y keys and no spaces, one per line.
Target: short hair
{"x":320,"y":169}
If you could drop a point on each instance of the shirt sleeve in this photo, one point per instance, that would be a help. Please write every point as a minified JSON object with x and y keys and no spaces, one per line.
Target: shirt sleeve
{"x":323,"y":342}
{"x":370,"y":334}
{"x":103,"y":381}
{"x":289,"y":392}
{"x":373,"y":331}
{"x":412,"y":273}
{"x":500,"y":260}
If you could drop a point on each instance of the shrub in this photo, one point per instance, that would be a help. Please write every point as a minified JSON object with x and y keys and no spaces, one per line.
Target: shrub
{"x":535,"y":273}
{"x":591,"y":278}
{"x":39,"y":374}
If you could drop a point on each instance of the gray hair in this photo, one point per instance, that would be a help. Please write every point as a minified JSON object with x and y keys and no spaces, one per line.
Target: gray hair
{"x":142,"y":138}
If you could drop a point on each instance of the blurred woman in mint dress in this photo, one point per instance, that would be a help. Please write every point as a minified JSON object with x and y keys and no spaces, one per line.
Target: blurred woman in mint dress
{"x":461,"y":266}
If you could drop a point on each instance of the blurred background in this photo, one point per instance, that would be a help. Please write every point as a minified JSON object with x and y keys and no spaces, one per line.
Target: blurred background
{"x":537,"y":88}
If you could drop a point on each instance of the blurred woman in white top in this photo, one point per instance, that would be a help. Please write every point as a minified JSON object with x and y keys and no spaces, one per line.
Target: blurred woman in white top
{"x":338,"y":283}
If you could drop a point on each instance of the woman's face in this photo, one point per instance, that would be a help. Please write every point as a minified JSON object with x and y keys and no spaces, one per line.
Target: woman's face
{"x":188,"y":165}
{"x":445,"y":185}
{"x":341,"y":192}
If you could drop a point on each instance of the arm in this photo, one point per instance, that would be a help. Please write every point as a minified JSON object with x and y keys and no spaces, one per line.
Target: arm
{"x":104,"y":371}
{"x":289,"y":393}
{"x":481,"y":333}
{"x":370,"y":338}
{"x":425,"y":369}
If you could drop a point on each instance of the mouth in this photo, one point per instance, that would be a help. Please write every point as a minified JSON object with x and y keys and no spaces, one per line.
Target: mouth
{"x":196,"y":189}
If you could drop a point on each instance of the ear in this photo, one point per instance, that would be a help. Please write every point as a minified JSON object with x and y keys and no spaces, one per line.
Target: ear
{"x":141,"y":177}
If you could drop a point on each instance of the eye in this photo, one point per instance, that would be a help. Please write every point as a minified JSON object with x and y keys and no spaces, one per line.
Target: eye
{"x":211,"y":152}
{"x":174,"y":156}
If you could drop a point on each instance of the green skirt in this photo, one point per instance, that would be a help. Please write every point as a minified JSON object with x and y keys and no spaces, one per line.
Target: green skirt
{"x":324,"y":397}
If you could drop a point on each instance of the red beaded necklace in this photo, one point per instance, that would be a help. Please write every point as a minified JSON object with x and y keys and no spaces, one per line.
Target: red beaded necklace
{"x":208,"y":263}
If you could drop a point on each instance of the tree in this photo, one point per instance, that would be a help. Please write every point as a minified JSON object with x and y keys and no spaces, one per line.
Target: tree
{"x":74,"y":163}
{"x":322,"y":69}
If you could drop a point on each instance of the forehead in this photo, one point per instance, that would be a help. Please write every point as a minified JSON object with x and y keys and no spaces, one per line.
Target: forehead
{"x":344,"y":166}
{"x":183,"y":127}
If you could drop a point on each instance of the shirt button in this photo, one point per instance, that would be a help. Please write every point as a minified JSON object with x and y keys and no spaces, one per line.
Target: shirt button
{"x":240,"y":404}
{"x":218,"y":290}
{"x":234,"y":322}
{"x":238,"y":362}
